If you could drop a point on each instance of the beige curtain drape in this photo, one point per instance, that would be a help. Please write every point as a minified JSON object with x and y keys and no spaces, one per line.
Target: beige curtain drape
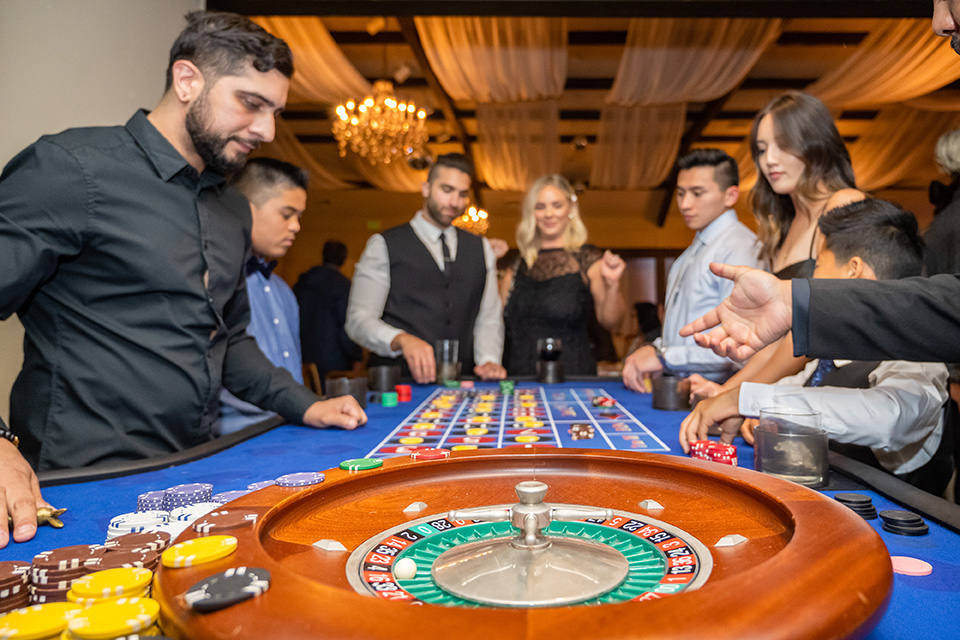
{"x":666,"y":64}
{"x":396,"y":176}
{"x":286,"y":147}
{"x":514,"y":69}
{"x":899,"y":60}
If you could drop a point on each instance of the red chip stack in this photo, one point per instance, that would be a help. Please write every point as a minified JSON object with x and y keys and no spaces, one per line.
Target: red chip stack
{"x":715,"y":451}
{"x":404,"y":392}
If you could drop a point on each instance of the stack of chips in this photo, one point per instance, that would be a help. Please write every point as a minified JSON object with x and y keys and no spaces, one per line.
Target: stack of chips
{"x":506,"y":387}
{"x":150,"y":501}
{"x":14,"y":585}
{"x":135,"y":522}
{"x":860,"y":503}
{"x":53,"y":573}
{"x":183,"y":495}
{"x":218,"y":522}
{"x":581,"y":431}
{"x":603,"y":401}
{"x":115,"y":618}
{"x":451,"y":384}
{"x":903,"y":523}
{"x":145,"y":541}
{"x":388,"y":398}
{"x":39,"y":622}
{"x":715,"y":451}
{"x":404,"y":392}
{"x":120,"y":582}
{"x":191,"y":512}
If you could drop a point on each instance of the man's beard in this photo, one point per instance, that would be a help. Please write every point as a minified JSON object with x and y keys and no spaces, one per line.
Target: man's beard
{"x":208,"y":145}
{"x":436,"y":213}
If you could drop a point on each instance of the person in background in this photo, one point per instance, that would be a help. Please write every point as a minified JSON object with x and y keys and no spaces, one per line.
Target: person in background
{"x":427,"y":280}
{"x":707,"y":188}
{"x":277,"y":192}
{"x":557,"y":283}
{"x":323,"y":292}
{"x":893,"y":414}
{"x":803,"y":171}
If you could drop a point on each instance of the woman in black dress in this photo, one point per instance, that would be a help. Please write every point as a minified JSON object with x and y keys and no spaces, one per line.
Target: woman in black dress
{"x":557,"y":283}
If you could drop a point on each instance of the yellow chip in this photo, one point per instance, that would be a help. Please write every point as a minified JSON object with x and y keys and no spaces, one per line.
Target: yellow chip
{"x":112,"y":618}
{"x":86,"y":601}
{"x":477,"y":431}
{"x":532,"y":424}
{"x":528,"y":396}
{"x":528,"y":404}
{"x":38,"y":621}
{"x":480,"y":419}
{"x":430,"y":415}
{"x":413,"y":440}
{"x":112,"y":582}
{"x":488,"y":397}
{"x":525,"y":419}
{"x":198,"y":551}
{"x":424,"y":425}
{"x":463,"y":447}
{"x":527,"y":438}
{"x":483,"y":407}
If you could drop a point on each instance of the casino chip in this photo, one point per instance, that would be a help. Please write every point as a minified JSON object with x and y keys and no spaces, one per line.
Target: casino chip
{"x":152,"y":540}
{"x":192,"y":512}
{"x":182,"y":495}
{"x":229,"y":496}
{"x":110,"y":583}
{"x":38,"y":622}
{"x":227,"y":588}
{"x":190,"y":553}
{"x":903,"y":523}
{"x":430,"y":454}
{"x":862,"y":505}
{"x":112,"y":618}
{"x":143,"y":558}
{"x":256,"y":486}
{"x":361,"y":464}
{"x":300,"y":479}
{"x":224,"y":520}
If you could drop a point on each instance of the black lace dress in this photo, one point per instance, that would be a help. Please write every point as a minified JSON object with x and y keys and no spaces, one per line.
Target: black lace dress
{"x":551,"y":300}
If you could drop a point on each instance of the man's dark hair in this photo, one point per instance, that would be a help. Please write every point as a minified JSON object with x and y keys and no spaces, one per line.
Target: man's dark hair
{"x":456,"y":161}
{"x":334,"y":252}
{"x":725,"y":171}
{"x":882,"y":233}
{"x":260,"y":176}
{"x":220,"y":44}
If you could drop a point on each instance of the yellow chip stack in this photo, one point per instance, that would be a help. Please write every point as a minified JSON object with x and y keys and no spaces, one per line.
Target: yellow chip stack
{"x":114,"y":618}
{"x":128,"y":582}
{"x":198,"y":551}
{"x":38,"y":622}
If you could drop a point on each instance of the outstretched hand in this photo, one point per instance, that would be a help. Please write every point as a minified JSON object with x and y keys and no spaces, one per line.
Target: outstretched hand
{"x":343,"y":412}
{"x":758,"y":312}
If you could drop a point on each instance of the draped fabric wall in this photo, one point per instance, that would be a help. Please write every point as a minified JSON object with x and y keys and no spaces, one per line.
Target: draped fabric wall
{"x":514,"y":69}
{"x":285,"y":146}
{"x":668,"y":62}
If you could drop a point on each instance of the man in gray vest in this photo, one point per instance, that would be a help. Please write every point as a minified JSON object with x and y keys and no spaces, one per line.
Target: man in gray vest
{"x":426,"y":281}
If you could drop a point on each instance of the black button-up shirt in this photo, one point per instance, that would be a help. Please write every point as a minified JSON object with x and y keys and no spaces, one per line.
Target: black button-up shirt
{"x":126,"y":268}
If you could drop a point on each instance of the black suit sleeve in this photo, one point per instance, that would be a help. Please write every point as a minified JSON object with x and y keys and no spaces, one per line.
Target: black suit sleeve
{"x":915,"y":319}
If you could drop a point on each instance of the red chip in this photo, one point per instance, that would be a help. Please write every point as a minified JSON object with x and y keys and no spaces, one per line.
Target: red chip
{"x":430,"y":454}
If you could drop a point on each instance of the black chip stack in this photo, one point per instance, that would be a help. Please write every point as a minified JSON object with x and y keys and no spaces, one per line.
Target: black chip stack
{"x":903,"y":523}
{"x":860,"y":503}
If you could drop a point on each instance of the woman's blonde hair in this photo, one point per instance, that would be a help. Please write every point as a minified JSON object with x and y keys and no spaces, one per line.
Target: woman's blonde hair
{"x":947,"y":153}
{"x":528,"y":236}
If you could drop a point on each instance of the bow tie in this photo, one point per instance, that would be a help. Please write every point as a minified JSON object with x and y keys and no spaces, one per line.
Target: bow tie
{"x":255,"y":264}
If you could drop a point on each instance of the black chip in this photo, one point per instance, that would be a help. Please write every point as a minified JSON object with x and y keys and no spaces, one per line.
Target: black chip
{"x":853,"y":499}
{"x":898,"y":517}
{"x":227,"y":588}
{"x":906,"y":530}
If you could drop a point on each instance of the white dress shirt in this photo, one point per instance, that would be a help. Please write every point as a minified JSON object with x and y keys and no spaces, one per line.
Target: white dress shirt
{"x":692,"y":291}
{"x":371,"y":285}
{"x":900,"y":417}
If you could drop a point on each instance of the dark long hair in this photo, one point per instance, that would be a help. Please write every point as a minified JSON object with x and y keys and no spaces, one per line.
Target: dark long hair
{"x":802,"y":126}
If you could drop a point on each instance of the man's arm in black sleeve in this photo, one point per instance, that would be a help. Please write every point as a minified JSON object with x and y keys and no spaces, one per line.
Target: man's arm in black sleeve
{"x":915,"y":319}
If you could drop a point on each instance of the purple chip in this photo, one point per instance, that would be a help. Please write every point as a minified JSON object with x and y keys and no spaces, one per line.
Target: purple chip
{"x":302,"y":479}
{"x":183,"y":495}
{"x":150,"y":500}
{"x":260,"y":485}
{"x":227,"y":496}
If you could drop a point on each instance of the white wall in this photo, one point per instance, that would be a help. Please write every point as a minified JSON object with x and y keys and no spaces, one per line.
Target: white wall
{"x":70,"y":63}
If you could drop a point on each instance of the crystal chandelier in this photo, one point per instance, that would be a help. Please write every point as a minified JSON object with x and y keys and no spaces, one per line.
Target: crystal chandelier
{"x":473,"y":220}
{"x":380,"y":128}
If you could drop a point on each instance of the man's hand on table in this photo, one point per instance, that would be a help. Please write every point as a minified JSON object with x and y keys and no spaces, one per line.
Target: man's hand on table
{"x":419,"y":356}
{"x":490,"y":371}
{"x":758,"y":312}
{"x":343,"y":412}
{"x":722,"y":409}
{"x":638,"y":367}
{"x":21,"y":494}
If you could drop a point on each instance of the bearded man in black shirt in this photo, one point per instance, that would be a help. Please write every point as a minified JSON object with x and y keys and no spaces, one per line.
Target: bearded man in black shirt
{"x":122,"y":251}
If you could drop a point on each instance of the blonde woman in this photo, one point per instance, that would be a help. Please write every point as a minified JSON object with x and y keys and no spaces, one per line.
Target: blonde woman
{"x":558,"y":284}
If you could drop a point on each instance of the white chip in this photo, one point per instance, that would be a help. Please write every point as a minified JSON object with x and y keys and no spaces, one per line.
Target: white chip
{"x":651,"y":505}
{"x":415,"y":507}
{"x":405,"y":569}
{"x":731,"y":540}
{"x":329,"y":545}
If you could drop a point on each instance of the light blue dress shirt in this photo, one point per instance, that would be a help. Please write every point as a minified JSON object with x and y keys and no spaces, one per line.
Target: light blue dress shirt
{"x":693,"y":290}
{"x":275,"y":325}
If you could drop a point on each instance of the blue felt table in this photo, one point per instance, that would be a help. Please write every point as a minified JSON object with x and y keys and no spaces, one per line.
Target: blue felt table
{"x":920,"y":607}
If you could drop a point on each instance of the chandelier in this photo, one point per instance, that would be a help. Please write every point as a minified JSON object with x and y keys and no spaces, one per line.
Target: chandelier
{"x":380,"y":128}
{"x":473,"y":220}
